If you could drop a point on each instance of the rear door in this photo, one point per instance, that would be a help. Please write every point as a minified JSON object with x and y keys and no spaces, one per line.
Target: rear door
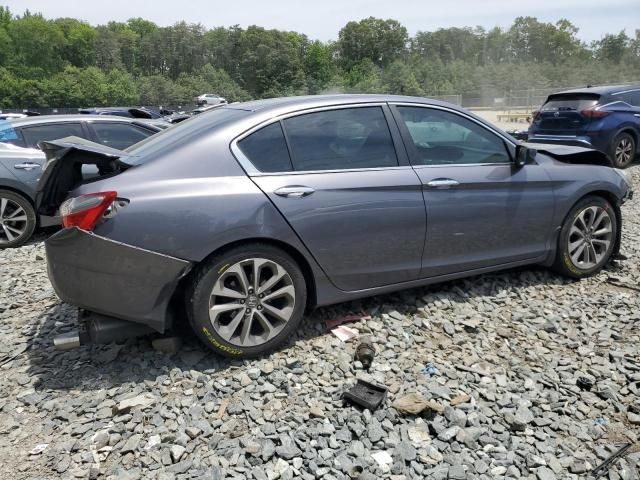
{"x":562,"y":114}
{"x":347,"y":191}
{"x":482,"y":211}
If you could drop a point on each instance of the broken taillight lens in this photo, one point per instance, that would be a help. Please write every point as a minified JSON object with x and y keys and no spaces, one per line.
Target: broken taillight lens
{"x":84,"y":211}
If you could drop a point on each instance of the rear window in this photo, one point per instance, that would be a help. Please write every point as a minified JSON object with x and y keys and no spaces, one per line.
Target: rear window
{"x":573,"y":101}
{"x":180,"y":133}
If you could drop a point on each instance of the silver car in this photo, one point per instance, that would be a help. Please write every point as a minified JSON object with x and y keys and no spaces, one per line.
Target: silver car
{"x":243,"y":217}
{"x":21,"y":161}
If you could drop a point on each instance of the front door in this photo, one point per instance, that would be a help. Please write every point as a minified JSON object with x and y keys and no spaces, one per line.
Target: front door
{"x":482,"y":211}
{"x":359,"y":211}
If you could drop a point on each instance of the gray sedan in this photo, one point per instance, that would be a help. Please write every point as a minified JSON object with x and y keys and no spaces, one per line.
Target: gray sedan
{"x":238,"y":220}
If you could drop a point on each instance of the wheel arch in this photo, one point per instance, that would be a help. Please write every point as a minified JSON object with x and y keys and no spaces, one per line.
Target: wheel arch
{"x":17,"y":191}
{"x":176,"y":306}
{"x":615,"y":203}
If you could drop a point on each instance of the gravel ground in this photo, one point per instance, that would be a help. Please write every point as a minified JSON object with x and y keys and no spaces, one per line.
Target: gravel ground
{"x":508,"y":349}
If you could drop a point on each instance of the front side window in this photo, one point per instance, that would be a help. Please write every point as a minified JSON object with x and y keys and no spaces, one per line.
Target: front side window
{"x":267,"y":149}
{"x":119,"y":135}
{"x":442,"y":137}
{"x":340,"y":139}
{"x":42,"y":133}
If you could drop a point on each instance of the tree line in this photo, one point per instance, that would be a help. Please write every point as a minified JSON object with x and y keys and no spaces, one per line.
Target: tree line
{"x":66,"y":62}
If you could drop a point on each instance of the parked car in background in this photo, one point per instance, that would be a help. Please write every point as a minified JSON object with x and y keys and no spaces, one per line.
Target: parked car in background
{"x":21,"y":161}
{"x":606,"y":118}
{"x":128,"y":112}
{"x":243,"y":216}
{"x":210,"y":99}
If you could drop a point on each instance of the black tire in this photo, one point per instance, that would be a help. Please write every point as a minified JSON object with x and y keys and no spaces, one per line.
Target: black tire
{"x":563,"y":262}
{"x":27,"y":227}
{"x":623,"y":150}
{"x":199,"y":296}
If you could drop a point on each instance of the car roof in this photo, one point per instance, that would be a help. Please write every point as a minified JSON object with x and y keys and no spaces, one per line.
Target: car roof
{"x":600,"y":89}
{"x":312,"y":101}
{"x":43,"y":119}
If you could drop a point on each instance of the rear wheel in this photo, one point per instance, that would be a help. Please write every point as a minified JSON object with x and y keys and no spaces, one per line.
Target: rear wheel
{"x":17,"y":219}
{"x":587,"y":238}
{"x":247,"y":301}
{"x":623,"y":150}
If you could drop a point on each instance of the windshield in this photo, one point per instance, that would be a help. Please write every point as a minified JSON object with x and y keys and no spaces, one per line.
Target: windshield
{"x":180,"y":133}
{"x":8,"y":134}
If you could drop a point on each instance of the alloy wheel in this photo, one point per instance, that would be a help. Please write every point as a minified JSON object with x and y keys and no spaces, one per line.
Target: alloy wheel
{"x":624,"y":152}
{"x":13,"y":220}
{"x":590,"y":237}
{"x":251,"y":302}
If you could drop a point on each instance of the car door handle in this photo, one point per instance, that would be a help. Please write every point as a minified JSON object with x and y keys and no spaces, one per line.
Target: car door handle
{"x":26,"y":166}
{"x":294,"y":191}
{"x":636,"y":115}
{"x":443,"y":183}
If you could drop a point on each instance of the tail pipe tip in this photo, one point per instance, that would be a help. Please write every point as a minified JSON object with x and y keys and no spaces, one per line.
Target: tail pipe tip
{"x":67,"y":341}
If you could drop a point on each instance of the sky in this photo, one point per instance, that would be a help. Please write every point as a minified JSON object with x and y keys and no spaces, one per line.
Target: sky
{"x":322,"y":19}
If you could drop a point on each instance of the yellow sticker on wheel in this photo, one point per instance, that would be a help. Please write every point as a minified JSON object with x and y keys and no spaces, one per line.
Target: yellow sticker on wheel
{"x":218,"y":345}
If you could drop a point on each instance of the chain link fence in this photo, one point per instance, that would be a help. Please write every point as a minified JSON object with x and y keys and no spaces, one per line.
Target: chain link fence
{"x":493,"y":98}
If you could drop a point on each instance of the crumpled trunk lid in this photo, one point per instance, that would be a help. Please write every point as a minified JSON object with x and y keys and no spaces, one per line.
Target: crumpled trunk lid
{"x":71,"y":162}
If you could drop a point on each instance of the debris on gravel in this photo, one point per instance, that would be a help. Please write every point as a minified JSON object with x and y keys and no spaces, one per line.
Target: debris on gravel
{"x":507,"y":350}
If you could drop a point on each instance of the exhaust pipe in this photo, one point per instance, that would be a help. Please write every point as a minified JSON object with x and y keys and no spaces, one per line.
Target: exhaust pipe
{"x":100,"y":329}
{"x":67,"y":341}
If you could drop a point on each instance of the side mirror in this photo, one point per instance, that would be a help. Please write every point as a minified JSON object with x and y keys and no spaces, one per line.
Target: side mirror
{"x":524,"y":156}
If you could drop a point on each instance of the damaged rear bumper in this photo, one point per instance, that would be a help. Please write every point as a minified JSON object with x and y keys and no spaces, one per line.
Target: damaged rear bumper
{"x":112,"y":278}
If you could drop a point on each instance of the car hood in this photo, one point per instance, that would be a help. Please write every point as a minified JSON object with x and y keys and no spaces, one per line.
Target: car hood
{"x":571,"y":154}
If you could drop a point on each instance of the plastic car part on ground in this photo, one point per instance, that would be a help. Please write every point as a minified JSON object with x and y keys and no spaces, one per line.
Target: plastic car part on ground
{"x":366,"y":394}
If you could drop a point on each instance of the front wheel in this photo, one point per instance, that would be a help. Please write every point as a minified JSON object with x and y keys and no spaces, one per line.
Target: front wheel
{"x":247,"y":301}
{"x":17,"y":219}
{"x":587,"y":238}
{"x":623,"y":150}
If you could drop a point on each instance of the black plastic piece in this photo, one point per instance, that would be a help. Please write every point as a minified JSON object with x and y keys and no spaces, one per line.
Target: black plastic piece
{"x":366,"y":394}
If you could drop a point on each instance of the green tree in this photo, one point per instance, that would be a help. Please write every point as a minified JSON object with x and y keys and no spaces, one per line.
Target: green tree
{"x":612,"y":48}
{"x":380,"y":41}
{"x":37,"y":44}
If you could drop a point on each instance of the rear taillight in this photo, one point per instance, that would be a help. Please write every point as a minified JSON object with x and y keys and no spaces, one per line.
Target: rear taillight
{"x":591,"y":113}
{"x":85,"y":211}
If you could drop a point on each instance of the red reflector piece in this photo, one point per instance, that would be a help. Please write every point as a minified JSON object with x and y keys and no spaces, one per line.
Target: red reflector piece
{"x":590,"y":113}
{"x":85,"y":211}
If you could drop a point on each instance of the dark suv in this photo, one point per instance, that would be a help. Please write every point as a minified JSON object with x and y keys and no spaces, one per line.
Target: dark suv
{"x":606,"y":118}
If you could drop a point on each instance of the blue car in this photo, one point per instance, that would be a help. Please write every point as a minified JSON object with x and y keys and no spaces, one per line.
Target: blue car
{"x":606,"y":118}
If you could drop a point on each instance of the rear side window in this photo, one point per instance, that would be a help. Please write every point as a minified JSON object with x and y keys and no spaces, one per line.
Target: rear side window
{"x":632,"y":97}
{"x":267,"y":149}
{"x":33,"y":135}
{"x":119,"y":135}
{"x":340,"y":139}
{"x":572,"y":101}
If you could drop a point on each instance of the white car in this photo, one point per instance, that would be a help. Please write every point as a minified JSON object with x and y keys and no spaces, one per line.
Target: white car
{"x":210,"y":99}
